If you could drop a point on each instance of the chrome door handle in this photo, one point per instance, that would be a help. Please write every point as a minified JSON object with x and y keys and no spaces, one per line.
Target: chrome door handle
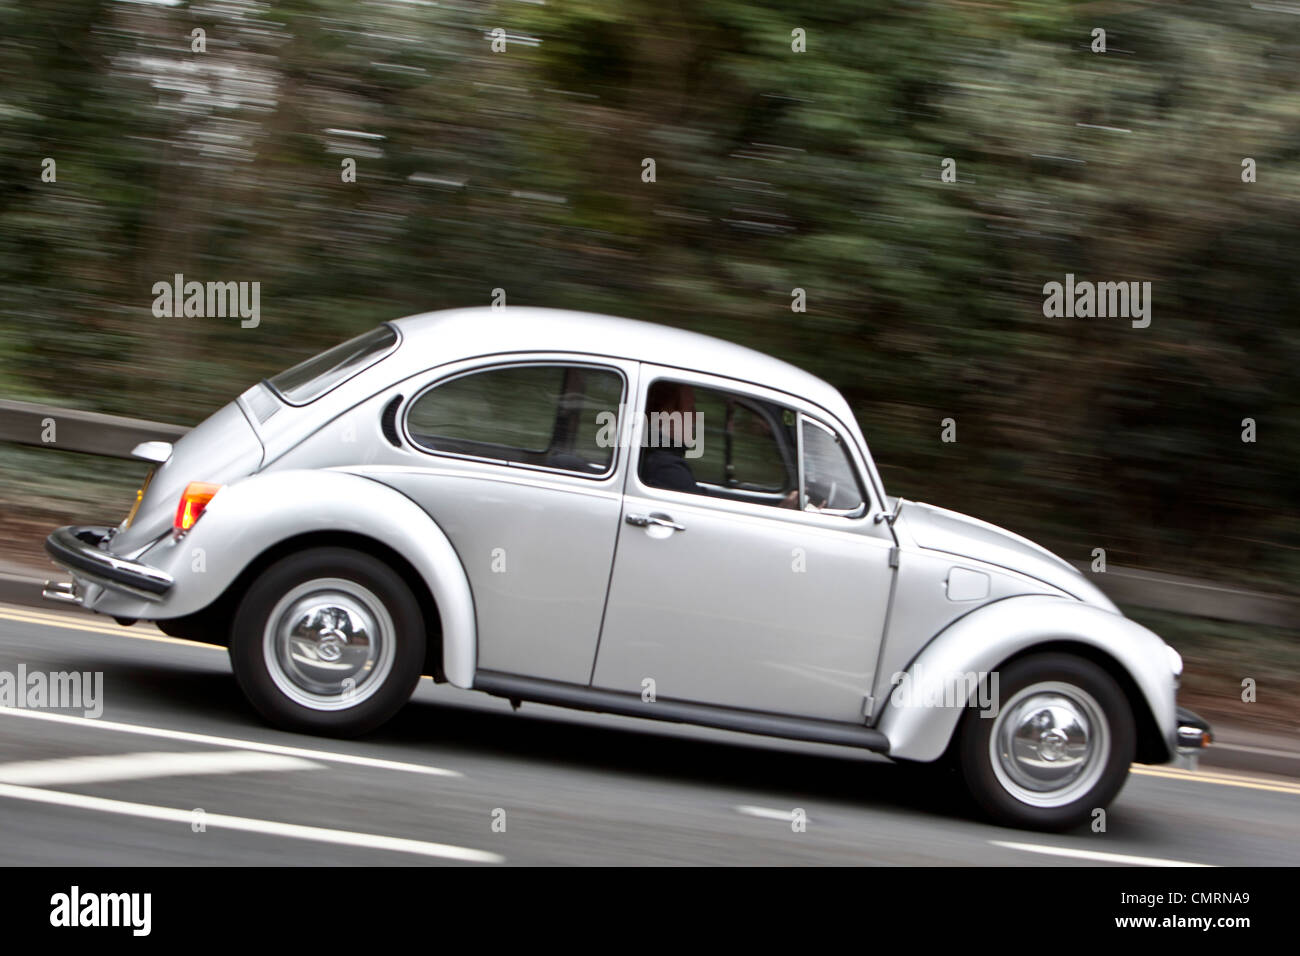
{"x":657,"y":519}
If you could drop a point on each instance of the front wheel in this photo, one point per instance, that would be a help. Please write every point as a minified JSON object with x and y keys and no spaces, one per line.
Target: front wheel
{"x":1058,"y":748}
{"x":328,"y":641}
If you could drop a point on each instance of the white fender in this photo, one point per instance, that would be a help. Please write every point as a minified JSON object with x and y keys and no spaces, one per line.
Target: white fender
{"x":922,"y":712}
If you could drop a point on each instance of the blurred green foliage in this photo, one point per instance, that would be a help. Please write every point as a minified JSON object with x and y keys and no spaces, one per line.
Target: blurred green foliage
{"x":1218,"y":655}
{"x":775,"y":170}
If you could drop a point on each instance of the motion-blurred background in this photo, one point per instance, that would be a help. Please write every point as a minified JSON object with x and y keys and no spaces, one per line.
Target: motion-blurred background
{"x":522,"y":169}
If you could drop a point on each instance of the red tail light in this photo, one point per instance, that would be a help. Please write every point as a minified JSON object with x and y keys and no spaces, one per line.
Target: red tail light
{"x":194,"y":499}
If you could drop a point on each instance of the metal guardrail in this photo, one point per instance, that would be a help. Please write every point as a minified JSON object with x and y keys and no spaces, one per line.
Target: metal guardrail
{"x":67,"y":429}
{"x":1169,"y":592}
{"x":109,"y":435}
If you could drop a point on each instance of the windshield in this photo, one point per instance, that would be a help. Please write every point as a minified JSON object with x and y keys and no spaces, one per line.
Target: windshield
{"x":311,"y":379}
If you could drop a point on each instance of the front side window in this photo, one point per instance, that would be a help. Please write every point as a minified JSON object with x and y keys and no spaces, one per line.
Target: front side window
{"x":311,"y":379}
{"x":546,"y":416}
{"x":724,"y":444}
{"x":830,"y":480}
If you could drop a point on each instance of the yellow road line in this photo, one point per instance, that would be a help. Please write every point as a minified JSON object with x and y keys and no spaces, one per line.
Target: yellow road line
{"x":54,"y":617}
{"x":1249,"y":783}
{"x":78,"y":623}
{"x":1204,"y":773}
{"x":87,"y":623}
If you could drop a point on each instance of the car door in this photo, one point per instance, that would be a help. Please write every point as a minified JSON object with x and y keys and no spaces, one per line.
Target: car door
{"x":765,"y":586}
{"x":522,"y":472}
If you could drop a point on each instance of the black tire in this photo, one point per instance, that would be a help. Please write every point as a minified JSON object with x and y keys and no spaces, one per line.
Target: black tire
{"x":208,"y":626}
{"x":274,"y":671}
{"x":994,"y":787}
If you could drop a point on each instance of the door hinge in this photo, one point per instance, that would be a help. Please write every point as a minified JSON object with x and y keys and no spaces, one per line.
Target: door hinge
{"x":893,"y":556}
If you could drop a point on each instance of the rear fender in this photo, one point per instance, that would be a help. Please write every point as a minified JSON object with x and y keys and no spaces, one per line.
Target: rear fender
{"x":245,"y":519}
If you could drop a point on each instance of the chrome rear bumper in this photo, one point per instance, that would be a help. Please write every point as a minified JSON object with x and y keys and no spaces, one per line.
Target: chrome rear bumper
{"x":81,"y":551}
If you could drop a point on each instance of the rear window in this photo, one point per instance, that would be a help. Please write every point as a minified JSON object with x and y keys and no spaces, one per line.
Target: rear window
{"x":311,"y":379}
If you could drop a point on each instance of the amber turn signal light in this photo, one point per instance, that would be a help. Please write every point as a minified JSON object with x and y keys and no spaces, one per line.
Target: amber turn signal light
{"x":194,"y":499}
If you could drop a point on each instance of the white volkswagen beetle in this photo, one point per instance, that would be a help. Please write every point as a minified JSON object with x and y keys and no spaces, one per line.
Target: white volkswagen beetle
{"x":616,"y":516}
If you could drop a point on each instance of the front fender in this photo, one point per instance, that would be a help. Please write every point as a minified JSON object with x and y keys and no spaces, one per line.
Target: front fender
{"x":920,"y":716}
{"x":259,"y":512}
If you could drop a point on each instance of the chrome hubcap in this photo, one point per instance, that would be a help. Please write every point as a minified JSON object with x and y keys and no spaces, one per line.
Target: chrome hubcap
{"x":329,"y":644}
{"x":1050,"y":744}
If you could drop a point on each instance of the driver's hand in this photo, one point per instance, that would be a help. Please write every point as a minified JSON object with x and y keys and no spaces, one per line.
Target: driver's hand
{"x":791,"y":500}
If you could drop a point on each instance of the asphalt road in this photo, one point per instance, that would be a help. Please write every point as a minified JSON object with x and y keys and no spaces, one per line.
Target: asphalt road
{"x":176,"y":737}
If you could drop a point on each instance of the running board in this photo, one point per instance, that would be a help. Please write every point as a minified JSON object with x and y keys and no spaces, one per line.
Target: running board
{"x":679,"y":712}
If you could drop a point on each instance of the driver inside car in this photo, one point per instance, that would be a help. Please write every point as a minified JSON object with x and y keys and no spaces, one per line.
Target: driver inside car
{"x":669,"y":406}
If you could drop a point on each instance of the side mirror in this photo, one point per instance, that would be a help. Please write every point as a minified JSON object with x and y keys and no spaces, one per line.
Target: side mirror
{"x":890,"y":516}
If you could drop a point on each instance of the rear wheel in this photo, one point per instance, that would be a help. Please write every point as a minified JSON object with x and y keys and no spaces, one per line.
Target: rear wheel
{"x":328,"y":641}
{"x":1058,"y":748}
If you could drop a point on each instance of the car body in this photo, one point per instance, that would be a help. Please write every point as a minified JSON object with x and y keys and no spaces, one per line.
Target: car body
{"x":617,"y":516}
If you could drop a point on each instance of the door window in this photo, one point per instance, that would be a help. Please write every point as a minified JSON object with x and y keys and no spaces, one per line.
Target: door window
{"x":830,"y":482}
{"x":708,"y":441}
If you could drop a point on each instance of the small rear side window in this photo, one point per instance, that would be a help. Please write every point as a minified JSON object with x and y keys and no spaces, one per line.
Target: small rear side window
{"x":546,"y":416}
{"x":311,"y":379}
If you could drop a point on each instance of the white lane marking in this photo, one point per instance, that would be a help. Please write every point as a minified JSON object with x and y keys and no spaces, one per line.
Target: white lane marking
{"x":305,"y":752}
{"x":766,"y":814}
{"x":139,"y":766}
{"x":293,"y":831}
{"x":1094,"y":855}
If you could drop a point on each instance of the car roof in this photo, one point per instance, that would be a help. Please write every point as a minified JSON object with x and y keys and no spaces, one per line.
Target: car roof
{"x":466,"y":333}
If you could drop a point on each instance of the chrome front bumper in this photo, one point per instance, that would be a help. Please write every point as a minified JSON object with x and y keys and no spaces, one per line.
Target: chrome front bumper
{"x":1193,"y":736}
{"x":81,"y":551}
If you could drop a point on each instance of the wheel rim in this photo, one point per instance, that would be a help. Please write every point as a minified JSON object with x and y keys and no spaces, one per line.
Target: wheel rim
{"x":328,"y":644}
{"x":1050,"y":744}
